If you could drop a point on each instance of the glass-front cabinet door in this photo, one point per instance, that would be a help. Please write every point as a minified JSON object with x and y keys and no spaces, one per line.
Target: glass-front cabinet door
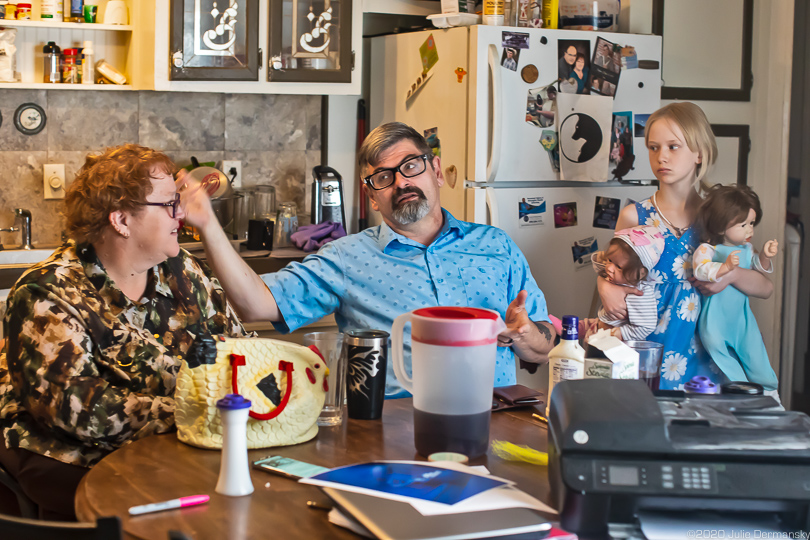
{"x":214,"y":40}
{"x":310,"y":41}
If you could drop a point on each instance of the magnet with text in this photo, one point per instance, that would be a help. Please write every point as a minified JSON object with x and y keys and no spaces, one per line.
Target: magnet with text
{"x":583,"y":250}
{"x":531,"y":211}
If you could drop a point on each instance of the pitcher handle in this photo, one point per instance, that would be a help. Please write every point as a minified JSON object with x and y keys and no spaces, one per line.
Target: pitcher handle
{"x":397,"y":346}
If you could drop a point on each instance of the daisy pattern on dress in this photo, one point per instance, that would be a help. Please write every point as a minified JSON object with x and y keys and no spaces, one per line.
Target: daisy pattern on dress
{"x":655,"y":221}
{"x":647,"y":204}
{"x":689,"y":308}
{"x":656,"y":276}
{"x":679,"y":267}
{"x":663,"y":322}
{"x":693,"y":345}
{"x":674,"y":367}
{"x":657,"y":295}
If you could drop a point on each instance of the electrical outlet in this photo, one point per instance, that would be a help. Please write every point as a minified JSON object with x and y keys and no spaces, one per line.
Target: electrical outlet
{"x":53,"y":176}
{"x":226,"y":168}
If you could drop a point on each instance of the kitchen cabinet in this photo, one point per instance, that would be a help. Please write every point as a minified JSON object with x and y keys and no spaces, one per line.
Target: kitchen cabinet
{"x":126,"y":47}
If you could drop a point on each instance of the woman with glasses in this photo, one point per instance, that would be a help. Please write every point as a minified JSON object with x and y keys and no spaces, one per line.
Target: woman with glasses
{"x":96,"y":332}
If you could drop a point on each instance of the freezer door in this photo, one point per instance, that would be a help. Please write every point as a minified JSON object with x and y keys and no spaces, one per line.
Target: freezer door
{"x":434,"y":104}
{"x":562,"y":272}
{"x":504,"y":147}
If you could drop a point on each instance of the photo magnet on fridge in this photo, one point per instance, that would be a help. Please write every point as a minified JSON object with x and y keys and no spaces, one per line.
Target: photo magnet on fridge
{"x":621,"y":145}
{"x":541,"y":106}
{"x":515,"y":40}
{"x":606,"y":67}
{"x":509,"y":58}
{"x":573,"y":65}
{"x":583,"y":250}
{"x":565,"y":215}
{"x":639,"y":123}
{"x":432,"y":138}
{"x":584,"y":136}
{"x":531,"y":211}
{"x":606,"y":212}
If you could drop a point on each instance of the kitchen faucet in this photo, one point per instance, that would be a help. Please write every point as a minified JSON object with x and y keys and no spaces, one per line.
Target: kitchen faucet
{"x":21,"y":223}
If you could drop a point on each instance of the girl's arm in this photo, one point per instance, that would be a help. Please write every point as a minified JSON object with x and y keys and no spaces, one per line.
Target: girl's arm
{"x":748,"y":282}
{"x":612,"y":296}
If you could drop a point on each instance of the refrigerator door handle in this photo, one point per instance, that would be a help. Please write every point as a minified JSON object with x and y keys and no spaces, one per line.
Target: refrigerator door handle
{"x":494,"y":104}
{"x":492,"y":207}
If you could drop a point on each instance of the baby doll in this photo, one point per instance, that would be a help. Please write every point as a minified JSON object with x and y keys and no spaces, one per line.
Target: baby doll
{"x":726,"y":326}
{"x":630,"y":256}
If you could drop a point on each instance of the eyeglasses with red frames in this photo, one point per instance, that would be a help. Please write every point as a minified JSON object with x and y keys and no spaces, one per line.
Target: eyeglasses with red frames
{"x":173,"y":205}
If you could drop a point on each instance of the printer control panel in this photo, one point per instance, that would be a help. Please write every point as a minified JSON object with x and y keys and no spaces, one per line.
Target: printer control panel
{"x":659,"y":477}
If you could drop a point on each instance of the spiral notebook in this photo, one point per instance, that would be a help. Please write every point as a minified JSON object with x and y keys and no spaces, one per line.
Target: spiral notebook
{"x":396,"y":520}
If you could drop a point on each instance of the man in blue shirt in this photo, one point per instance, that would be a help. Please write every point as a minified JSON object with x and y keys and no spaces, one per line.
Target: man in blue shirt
{"x":420,"y":256}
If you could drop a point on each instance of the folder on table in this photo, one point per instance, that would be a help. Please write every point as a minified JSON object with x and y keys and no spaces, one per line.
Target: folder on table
{"x":397,"y":520}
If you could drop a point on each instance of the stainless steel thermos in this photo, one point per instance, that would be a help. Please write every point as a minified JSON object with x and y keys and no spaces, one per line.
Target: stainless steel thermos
{"x":53,"y":58}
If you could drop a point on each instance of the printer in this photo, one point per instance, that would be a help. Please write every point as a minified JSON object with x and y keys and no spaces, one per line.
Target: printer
{"x":616,"y":451}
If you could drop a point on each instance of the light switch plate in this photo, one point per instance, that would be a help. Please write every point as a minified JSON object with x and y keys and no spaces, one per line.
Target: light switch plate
{"x":53,"y":175}
{"x":226,"y":168}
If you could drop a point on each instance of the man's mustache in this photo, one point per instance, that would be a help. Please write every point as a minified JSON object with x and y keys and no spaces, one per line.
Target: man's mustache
{"x":409,"y":189}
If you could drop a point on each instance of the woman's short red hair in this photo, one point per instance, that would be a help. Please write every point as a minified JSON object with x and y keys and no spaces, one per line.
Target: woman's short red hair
{"x":118,"y":179}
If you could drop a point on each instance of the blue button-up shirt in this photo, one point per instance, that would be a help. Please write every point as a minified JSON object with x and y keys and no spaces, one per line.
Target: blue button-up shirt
{"x":370,"y":278}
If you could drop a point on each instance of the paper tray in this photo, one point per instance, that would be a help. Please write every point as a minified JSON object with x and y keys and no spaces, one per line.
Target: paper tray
{"x":447,"y":20}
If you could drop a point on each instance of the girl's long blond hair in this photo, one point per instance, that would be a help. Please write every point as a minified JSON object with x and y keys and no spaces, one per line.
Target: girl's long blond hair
{"x":696,"y":130}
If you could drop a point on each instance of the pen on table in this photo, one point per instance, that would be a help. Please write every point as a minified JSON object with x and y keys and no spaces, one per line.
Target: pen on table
{"x":191,"y":500}
{"x":318,"y":506}
{"x":541,"y":418}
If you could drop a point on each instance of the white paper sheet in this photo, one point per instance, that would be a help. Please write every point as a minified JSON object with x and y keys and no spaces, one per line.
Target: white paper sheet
{"x":677,"y":526}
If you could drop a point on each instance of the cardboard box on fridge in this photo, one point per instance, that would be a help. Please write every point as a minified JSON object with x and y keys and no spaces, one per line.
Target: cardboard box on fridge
{"x":458,"y":6}
{"x":607,"y":357}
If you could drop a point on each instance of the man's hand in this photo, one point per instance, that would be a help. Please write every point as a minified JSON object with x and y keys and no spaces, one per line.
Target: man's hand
{"x":530,"y":340}
{"x":517,"y":321}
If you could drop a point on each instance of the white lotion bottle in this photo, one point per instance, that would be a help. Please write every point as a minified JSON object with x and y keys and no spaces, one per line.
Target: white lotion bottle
{"x":88,"y":64}
{"x":566,"y":361}
{"x":234,"y":470}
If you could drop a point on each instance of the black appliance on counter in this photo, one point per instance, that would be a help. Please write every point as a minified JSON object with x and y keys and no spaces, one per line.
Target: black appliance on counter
{"x":327,"y":196}
{"x":615,"y":450}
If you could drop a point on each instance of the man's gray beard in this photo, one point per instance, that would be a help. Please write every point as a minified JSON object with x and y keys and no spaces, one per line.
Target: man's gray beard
{"x":411,"y":211}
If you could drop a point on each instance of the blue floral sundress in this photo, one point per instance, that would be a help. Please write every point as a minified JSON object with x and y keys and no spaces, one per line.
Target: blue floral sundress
{"x":678,"y":307}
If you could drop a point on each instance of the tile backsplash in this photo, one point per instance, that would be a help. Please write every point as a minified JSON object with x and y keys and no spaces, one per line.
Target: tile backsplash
{"x":276,"y":137}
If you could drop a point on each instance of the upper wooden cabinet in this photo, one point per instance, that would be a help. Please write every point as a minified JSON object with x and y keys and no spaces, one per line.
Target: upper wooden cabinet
{"x":310,"y":41}
{"x":214,"y":40}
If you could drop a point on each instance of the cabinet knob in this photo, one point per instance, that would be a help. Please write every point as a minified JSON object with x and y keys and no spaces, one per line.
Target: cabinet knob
{"x":177,"y":59}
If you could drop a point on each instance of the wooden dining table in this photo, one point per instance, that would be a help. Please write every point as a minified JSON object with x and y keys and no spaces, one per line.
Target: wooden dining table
{"x":160,"y":468}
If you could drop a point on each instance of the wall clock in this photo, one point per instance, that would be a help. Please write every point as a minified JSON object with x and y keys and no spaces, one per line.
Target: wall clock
{"x":29,"y":118}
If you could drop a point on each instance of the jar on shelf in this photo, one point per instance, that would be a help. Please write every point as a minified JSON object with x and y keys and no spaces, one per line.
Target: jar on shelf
{"x":24,"y":11}
{"x":70,"y":66}
{"x":11,"y":11}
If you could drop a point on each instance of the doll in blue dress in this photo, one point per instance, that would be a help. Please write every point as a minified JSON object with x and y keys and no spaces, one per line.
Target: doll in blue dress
{"x":726,"y":325}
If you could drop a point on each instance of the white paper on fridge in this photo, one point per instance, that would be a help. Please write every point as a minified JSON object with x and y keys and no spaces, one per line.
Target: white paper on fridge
{"x":584,"y":136}
{"x":616,"y":361}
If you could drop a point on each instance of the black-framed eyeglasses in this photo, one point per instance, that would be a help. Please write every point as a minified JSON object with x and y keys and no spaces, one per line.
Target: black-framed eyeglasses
{"x":382,"y":178}
{"x":173,"y":205}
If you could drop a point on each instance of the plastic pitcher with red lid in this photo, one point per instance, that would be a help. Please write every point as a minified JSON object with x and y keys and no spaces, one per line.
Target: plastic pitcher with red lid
{"x":453,"y":352}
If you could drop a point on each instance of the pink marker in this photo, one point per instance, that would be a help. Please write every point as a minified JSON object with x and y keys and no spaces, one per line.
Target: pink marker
{"x":182,"y":502}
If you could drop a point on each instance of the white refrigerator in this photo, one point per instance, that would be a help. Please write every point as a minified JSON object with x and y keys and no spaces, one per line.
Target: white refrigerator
{"x":477,"y":109}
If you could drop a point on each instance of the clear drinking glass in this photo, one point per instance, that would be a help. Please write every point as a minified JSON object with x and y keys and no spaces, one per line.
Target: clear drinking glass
{"x":286,"y":224}
{"x":264,"y":206}
{"x":650,"y":354}
{"x":330,"y":345}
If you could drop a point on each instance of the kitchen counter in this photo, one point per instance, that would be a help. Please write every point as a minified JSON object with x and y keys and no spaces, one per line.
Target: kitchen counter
{"x":261,"y":262}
